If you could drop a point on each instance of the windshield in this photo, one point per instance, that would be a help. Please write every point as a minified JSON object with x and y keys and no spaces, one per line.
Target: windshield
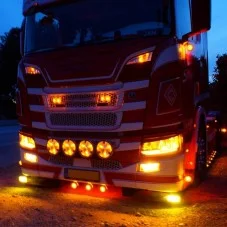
{"x":86,"y":22}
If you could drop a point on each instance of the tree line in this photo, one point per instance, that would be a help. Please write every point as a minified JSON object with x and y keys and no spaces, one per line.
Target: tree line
{"x":10,"y":57}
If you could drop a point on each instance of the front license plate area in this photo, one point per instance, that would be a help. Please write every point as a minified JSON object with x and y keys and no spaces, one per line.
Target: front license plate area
{"x":83,"y":175}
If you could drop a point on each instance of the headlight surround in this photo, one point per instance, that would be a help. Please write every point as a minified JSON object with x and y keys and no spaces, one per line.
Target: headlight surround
{"x":26,"y":142}
{"x":69,"y":147}
{"x":86,"y":149}
{"x":162,"y":147}
{"x":104,"y":149}
{"x":53,"y":146}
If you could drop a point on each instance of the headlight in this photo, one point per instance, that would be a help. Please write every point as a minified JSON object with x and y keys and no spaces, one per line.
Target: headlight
{"x":53,"y":146}
{"x":69,"y":147}
{"x":142,"y":58}
{"x":86,"y":149}
{"x":162,"y":147}
{"x":26,"y":142}
{"x":104,"y":149}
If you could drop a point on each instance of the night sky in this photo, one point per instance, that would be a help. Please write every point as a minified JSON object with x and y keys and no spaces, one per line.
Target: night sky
{"x":11,"y":16}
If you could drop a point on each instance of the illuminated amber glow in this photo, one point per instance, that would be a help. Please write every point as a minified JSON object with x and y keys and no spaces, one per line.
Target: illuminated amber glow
{"x":88,"y":187}
{"x":181,"y":52}
{"x":20,"y":163}
{"x":149,"y":167}
{"x":104,"y":98}
{"x":173,"y":198}
{"x":26,"y":142}
{"x":69,"y":147}
{"x":53,"y":146}
{"x":86,"y":149}
{"x":223,"y":130}
{"x":190,"y":47}
{"x":30,"y":157}
{"x":57,"y":100}
{"x":31,"y":70}
{"x":103,"y":188}
{"x":104,"y":149}
{"x":162,"y":147}
{"x":23,"y":179}
{"x":140,"y":58}
{"x":188,"y":179}
{"x":74,"y":185}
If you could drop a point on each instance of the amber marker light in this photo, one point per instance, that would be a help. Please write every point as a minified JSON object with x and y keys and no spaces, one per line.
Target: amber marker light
{"x":32,"y":70}
{"x":56,"y":100}
{"x":104,"y":149}
{"x":74,"y":185}
{"x":190,"y":47}
{"x":223,"y":130}
{"x":88,"y":187}
{"x":86,"y":149}
{"x":103,"y":188}
{"x":26,"y":142}
{"x":149,"y":167}
{"x":104,"y":98}
{"x":20,"y":163}
{"x":23,"y":179}
{"x":69,"y":147}
{"x":142,"y":58}
{"x":30,"y":157}
{"x":173,"y":198}
{"x":53,"y":146}
{"x":188,"y":179}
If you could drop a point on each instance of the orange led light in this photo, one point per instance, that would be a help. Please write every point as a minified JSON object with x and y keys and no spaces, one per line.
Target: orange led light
{"x":31,"y":70}
{"x":88,"y":187}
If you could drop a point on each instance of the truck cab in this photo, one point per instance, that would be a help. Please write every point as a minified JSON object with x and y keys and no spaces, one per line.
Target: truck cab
{"x":114,"y":92}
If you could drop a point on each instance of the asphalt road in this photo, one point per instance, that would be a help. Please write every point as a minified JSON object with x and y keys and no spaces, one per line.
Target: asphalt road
{"x":9,"y":150}
{"x":21,"y":205}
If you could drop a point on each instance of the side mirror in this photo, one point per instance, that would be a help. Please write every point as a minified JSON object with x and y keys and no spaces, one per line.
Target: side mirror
{"x":201,"y":15}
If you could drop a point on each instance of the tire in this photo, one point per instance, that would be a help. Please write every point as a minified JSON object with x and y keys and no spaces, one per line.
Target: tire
{"x":201,"y":155}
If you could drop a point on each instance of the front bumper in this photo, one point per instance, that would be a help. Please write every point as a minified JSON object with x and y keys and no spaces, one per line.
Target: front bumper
{"x":170,"y":177}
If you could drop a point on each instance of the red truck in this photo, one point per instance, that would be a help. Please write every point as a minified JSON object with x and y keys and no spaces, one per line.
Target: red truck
{"x":115,"y":93}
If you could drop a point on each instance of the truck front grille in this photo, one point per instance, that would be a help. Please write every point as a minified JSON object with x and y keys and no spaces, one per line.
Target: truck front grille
{"x":95,"y":163}
{"x":106,"y":120}
{"x":105,"y":164}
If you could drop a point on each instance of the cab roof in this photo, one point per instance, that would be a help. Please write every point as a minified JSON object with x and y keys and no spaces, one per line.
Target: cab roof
{"x":29,"y":4}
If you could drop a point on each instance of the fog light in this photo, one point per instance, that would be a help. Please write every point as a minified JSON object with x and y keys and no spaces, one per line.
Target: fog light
{"x":69,"y":147}
{"x":30,"y":157}
{"x":104,"y":149}
{"x":88,"y":187}
{"x":172,"y":198}
{"x":23,"y":179}
{"x":86,"y":149}
{"x":149,"y":167}
{"x":74,"y":185}
{"x":26,"y":142}
{"x":53,"y":146}
{"x":103,"y":188}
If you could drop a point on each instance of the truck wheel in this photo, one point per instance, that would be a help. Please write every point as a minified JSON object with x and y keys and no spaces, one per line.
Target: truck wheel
{"x":201,"y":156}
{"x":128,"y":192}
